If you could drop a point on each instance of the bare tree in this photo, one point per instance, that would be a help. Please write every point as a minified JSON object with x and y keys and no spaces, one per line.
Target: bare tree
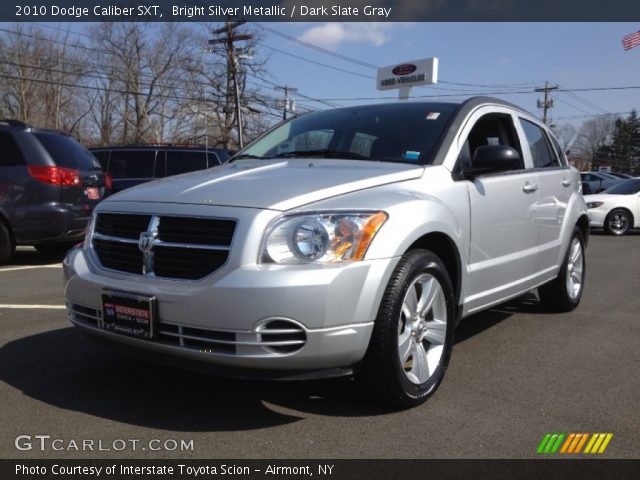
{"x":594,"y":134}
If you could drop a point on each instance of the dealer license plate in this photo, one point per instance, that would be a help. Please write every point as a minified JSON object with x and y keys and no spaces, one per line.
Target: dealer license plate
{"x":128,"y":313}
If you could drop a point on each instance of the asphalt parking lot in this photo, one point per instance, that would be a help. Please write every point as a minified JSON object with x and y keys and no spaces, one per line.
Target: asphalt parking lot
{"x":516,"y":373}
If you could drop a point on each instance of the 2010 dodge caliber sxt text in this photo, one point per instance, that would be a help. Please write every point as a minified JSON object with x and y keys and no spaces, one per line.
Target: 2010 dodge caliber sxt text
{"x":346,"y":241}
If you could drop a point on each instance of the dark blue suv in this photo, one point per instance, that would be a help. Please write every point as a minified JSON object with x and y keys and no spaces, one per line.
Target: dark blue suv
{"x":49,"y":185}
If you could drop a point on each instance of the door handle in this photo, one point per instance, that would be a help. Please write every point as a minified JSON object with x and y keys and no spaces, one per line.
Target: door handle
{"x":529,"y":188}
{"x":566,"y":182}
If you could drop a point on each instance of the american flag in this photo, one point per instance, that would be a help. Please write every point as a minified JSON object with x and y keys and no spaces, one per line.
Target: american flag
{"x":631,"y":40}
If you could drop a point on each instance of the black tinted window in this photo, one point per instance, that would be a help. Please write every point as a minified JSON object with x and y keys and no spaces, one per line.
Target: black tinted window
{"x":628,"y":187}
{"x":561,"y":153}
{"x":540,"y":152}
{"x":9,"y":151}
{"x":182,"y":162}
{"x":103,"y":158}
{"x":132,"y":163}
{"x":490,"y":129}
{"x":66,"y":152}
{"x":214,"y":159}
{"x":399,"y":132}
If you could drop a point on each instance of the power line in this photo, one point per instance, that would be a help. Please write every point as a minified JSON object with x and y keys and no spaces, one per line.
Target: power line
{"x":573,"y":117}
{"x":318,"y":48}
{"x":326,"y":65}
{"x":573,"y":106}
{"x":586,"y":102}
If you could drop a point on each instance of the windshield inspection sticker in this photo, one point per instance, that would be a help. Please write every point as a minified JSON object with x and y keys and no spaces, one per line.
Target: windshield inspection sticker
{"x":433,"y":115}
{"x":411,"y":155}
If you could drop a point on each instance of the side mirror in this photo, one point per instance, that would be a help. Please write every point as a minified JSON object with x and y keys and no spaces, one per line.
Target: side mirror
{"x":493,"y":159}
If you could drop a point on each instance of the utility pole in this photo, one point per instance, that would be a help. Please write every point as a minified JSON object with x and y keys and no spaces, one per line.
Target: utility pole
{"x":288,"y":103}
{"x":232,"y":73}
{"x":547,"y":103}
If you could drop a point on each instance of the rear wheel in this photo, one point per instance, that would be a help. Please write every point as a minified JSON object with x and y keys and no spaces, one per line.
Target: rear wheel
{"x":413,"y":333}
{"x":7,"y":247}
{"x":563,"y":294}
{"x":617,"y":222}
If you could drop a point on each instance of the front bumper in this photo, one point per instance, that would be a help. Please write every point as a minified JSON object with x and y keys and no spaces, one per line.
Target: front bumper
{"x":597,"y":217}
{"x":220,"y":320}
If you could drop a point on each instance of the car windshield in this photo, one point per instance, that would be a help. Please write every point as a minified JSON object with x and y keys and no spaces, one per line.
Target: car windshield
{"x":628,"y":187}
{"x":66,"y":152}
{"x":407,"y":133}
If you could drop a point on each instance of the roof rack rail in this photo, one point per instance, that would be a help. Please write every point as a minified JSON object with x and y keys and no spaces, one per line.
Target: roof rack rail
{"x":13,"y":123}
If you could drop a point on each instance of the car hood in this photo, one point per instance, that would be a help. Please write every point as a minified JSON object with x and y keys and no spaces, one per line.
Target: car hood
{"x":271,"y":184}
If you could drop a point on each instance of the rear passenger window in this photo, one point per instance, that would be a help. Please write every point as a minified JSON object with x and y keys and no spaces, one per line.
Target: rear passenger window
{"x":9,"y":151}
{"x":132,"y":163}
{"x":182,"y":162}
{"x":561,"y":154}
{"x":542,"y":155}
{"x":66,"y":152}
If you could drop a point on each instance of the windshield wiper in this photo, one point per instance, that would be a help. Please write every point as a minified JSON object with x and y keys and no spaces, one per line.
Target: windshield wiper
{"x":321,"y":153}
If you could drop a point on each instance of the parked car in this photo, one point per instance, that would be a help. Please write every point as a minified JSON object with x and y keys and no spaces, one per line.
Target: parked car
{"x":347,"y":241}
{"x":617,"y":209}
{"x":132,"y":165}
{"x":596,"y":182}
{"x":49,"y":185}
{"x":623,"y":176}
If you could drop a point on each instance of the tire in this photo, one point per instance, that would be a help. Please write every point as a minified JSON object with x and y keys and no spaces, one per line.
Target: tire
{"x":54,"y":248}
{"x":617,"y":222}
{"x":7,"y":247}
{"x":563,"y":294}
{"x":406,"y":359}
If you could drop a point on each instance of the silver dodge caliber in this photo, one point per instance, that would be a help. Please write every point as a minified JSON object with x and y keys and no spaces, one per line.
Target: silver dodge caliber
{"x":342,"y":242}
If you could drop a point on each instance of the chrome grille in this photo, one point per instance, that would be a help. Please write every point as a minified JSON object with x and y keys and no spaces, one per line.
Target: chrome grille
{"x":188,"y":248}
{"x":123,"y":226}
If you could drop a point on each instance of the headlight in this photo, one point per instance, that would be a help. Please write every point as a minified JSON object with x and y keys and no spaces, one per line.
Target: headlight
{"x":594,"y":204}
{"x":321,"y":238}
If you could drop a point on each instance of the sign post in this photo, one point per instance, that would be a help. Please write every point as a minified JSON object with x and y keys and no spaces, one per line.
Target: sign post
{"x":403,"y":76}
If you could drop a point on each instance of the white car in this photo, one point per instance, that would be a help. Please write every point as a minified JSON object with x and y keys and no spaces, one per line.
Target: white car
{"x":617,"y":209}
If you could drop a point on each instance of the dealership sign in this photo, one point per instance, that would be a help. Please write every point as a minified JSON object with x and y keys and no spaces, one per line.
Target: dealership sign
{"x":405,"y":75}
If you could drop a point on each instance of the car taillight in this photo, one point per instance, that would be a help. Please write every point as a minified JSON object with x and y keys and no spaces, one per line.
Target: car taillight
{"x":67,"y":177}
{"x":108,"y":181}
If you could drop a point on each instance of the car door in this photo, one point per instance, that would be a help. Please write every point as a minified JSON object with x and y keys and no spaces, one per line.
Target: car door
{"x":503,"y":236}
{"x":555,"y":188}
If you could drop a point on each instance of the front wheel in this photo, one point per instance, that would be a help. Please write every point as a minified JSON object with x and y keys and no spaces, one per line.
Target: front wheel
{"x":413,"y":332}
{"x":617,"y":222}
{"x":563,"y":294}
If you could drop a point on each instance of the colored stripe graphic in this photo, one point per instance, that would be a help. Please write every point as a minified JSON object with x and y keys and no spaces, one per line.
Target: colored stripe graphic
{"x":543,"y":443}
{"x":572,"y":443}
{"x":550,"y":443}
{"x":581,"y":443}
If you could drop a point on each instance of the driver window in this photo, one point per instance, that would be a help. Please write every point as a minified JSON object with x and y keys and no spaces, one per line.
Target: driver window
{"x":490,"y":129}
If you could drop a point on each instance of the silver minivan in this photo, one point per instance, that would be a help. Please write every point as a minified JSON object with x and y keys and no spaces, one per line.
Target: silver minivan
{"x":342,"y":242}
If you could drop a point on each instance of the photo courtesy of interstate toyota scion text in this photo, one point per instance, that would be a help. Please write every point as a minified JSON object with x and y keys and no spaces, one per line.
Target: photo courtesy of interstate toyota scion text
{"x":342,"y":242}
